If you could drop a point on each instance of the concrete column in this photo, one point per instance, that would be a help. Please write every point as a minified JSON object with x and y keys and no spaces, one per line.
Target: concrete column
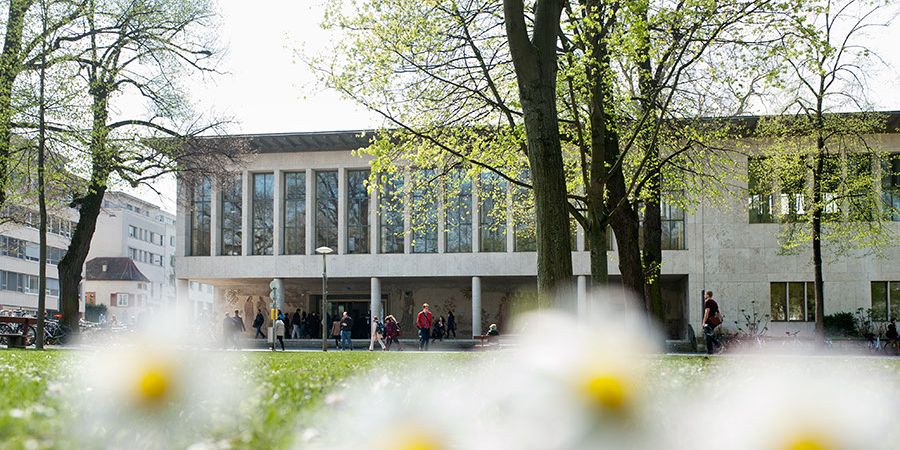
{"x":579,"y":239}
{"x":510,"y":223}
{"x":374,"y":243}
{"x":182,"y":225}
{"x":182,"y":301}
{"x":582,"y":297}
{"x":310,"y":212}
{"x":342,"y":212}
{"x":476,"y":306}
{"x":215,"y":220}
{"x":218,"y":304}
{"x":441,"y":222}
{"x":407,"y":219}
{"x":278,"y":215}
{"x":375,"y":298}
{"x":246,"y":213}
{"x":476,"y":218}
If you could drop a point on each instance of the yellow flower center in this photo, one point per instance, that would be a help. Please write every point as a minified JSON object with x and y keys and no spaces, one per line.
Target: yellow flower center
{"x":608,"y":391}
{"x":417,"y":441}
{"x":153,"y":384}
{"x":807,"y":442}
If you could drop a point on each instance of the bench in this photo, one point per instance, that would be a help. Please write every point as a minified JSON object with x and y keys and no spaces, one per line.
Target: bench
{"x":17,"y":339}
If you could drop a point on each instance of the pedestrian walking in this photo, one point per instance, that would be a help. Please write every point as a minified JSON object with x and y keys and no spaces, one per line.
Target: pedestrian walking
{"x":296,"y":324}
{"x":711,"y":319}
{"x":377,"y":334}
{"x":451,"y":325}
{"x":424,"y":321}
{"x":258,"y":322}
{"x":278,"y":330}
{"x":346,"y":329}
{"x":392,"y":332}
{"x":336,"y":333}
{"x":437,"y":332}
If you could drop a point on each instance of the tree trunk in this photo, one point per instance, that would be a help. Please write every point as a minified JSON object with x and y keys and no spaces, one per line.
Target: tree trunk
{"x":535,"y":65}
{"x":10,"y":62}
{"x":817,"y":239}
{"x":626,"y":225}
{"x":652,"y":232}
{"x":71,"y":265}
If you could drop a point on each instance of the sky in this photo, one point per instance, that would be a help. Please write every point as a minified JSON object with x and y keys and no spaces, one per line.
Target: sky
{"x":266,"y":88}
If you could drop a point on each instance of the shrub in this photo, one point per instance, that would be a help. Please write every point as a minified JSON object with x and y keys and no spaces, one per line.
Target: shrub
{"x":92,"y":312}
{"x":840,"y":324}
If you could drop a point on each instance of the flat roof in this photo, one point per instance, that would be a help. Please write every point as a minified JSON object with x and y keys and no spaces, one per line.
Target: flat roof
{"x":312,"y":141}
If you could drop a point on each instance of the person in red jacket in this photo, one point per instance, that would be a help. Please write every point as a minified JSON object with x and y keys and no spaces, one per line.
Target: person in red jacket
{"x":423,"y":322}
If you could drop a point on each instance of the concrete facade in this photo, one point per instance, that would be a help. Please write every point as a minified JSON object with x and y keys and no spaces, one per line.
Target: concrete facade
{"x":723,"y":252}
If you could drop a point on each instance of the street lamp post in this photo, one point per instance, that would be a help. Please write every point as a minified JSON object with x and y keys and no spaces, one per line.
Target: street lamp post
{"x":324,"y":251}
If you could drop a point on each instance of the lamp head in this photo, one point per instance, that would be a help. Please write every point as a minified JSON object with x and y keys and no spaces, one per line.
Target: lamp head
{"x":323,"y":250}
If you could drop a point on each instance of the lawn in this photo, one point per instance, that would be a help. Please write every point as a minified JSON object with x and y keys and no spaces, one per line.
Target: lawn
{"x":287,"y":390}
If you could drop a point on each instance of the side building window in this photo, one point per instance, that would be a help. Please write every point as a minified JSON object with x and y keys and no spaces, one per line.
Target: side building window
{"x":357,"y":212}
{"x":294,"y":213}
{"x":672,"y":224}
{"x":761,"y":192}
{"x":492,"y":214}
{"x":890,"y":187}
{"x":232,"y":215}
{"x":793,"y":301}
{"x":525,"y":228}
{"x":391,"y":214}
{"x":200,"y":218}
{"x":458,"y":195}
{"x":263,"y":213}
{"x":885,"y":300}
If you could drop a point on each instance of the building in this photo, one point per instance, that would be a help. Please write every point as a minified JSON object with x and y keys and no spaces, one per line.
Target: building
{"x":305,"y":190}
{"x":19,"y":253}
{"x":117,"y":283}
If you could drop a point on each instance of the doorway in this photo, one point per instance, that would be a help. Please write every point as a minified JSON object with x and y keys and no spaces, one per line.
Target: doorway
{"x":356,"y":306}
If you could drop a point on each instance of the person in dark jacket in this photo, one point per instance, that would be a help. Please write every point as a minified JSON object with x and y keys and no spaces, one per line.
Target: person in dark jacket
{"x":258,"y":322}
{"x":451,"y":325}
{"x":296,"y":324}
{"x":392,"y":333}
{"x":437,"y":332}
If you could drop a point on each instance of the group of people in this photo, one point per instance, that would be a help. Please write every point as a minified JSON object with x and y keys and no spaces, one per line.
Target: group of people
{"x":301,"y":325}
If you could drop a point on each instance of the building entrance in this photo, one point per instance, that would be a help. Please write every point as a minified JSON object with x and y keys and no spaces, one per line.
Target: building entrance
{"x":357,"y":306}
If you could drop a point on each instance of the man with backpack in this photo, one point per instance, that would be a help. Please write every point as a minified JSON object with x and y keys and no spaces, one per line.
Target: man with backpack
{"x":424,"y":321}
{"x":377,"y":334}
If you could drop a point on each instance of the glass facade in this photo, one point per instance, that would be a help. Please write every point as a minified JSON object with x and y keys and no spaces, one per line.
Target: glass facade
{"x":391,"y":217}
{"x":762,"y":197}
{"x":458,"y":226}
{"x":327,"y":209}
{"x":200,"y":217}
{"x":524,"y":223}
{"x":263,"y":213}
{"x":492,"y":229}
{"x":357,"y":212}
{"x":294,"y":237}
{"x":232,"y":215}
{"x":424,"y":206}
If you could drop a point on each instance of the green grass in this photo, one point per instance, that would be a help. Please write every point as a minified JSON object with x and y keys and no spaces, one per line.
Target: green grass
{"x":34,"y":414}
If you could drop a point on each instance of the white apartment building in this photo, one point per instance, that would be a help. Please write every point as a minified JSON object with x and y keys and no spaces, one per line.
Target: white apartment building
{"x":141,"y":231}
{"x":19,"y":253}
{"x":301,"y":191}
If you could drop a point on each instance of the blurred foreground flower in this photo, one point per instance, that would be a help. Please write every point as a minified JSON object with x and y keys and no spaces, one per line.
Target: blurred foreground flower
{"x":772,"y":403}
{"x":146,"y":393}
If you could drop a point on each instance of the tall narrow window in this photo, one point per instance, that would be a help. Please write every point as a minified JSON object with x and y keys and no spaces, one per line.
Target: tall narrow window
{"x":458,"y":194}
{"x":890,"y":187}
{"x":492,"y":194}
{"x":672,"y":222}
{"x":200,"y":218}
{"x":761,"y":191}
{"x":832,"y":178}
{"x":424,"y":221}
{"x":525,"y":227}
{"x":263,"y":213}
{"x":232,"y":217}
{"x":793,"y":198}
{"x":861,"y":200}
{"x":327,"y":209}
{"x":391,"y":217}
{"x":294,"y":237}
{"x":357,"y":212}
{"x":885,"y":300}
